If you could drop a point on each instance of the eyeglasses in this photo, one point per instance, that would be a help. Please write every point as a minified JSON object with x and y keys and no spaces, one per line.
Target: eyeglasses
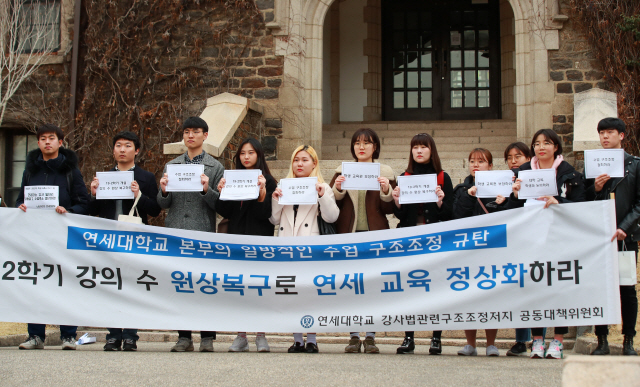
{"x":545,"y":144}
{"x":362,"y":144}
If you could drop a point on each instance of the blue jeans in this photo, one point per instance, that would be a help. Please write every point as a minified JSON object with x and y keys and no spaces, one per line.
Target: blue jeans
{"x":123,"y":334}
{"x":38,"y":330}
{"x":523,"y":335}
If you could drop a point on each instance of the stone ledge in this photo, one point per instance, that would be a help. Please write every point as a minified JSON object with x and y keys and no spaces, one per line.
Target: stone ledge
{"x":586,"y":371}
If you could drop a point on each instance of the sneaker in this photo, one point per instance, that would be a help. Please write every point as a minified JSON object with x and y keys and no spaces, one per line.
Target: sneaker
{"x":370,"y":345}
{"x":436,"y":346}
{"x":408,"y":345}
{"x":112,"y":345}
{"x":468,"y":351}
{"x":537,"y":349}
{"x":554,"y":351}
{"x":206,"y":344}
{"x":517,"y":349}
{"x":296,"y":348}
{"x":355,"y":345}
{"x":492,"y":350}
{"x":33,"y":342}
{"x":183,"y":344}
{"x":240,"y":344}
{"x":311,"y":348}
{"x":129,"y":345}
{"x":262,"y":345}
{"x":69,"y":343}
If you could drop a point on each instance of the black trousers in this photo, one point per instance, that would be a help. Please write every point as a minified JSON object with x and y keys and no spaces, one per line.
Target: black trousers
{"x":556,"y":330}
{"x":628,"y":303}
{"x":436,"y":334}
{"x":203,"y":334}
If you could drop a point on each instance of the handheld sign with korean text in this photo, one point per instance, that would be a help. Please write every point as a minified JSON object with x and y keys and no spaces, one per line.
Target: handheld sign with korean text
{"x":537,"y":182}
{"x":41,"y":197}
{"x":241,"y":184}
{"x":493,"y":183}
{"x":114,"y":185}
{"x":184,"y":177}
{"x":601,"y":161}
{"x":361,"y":176}
{"x":299,"y":190}
{"x":418,"y":188}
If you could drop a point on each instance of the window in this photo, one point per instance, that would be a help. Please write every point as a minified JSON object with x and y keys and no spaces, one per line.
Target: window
{"x":18,"y":145}
{"x":38,"y":26}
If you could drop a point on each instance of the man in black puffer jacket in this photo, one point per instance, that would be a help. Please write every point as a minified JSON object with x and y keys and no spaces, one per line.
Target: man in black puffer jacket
{"x":53,"y":165}
{"x":627,"y":197}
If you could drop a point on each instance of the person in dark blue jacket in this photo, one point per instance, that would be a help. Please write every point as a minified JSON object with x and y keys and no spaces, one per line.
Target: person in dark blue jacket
{"x":51,"y":164}
{"x":126,"y":146}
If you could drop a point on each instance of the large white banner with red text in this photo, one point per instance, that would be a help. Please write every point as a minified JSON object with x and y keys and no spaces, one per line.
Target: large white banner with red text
{"x":528,"y":267}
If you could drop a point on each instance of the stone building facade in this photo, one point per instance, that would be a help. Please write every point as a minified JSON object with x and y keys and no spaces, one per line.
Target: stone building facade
{"x":320,"y":68}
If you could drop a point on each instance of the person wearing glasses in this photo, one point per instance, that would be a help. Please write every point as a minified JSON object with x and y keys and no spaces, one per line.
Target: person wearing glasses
{"x":364,"y":210}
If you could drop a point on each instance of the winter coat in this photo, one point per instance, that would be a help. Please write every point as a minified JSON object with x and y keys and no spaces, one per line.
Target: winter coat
{"x":378,"y":204}
{"x":570,"y":185}
{"x":59,"y":171}
{"x":249,"y":217}
{"x":306,"y":221}
{"x":193,"y":210}
{"x":627,"y":196}
{"x":147,"y":205}
{"x":408,"y":213}
{"x":465,"y":205}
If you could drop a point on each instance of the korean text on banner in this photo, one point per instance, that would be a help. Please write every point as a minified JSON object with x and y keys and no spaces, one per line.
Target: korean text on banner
{"x":114,"y":185}
{"x":537,"y":182}
{"x":361,"y":176}
{"x":41,"y":197}
{"x":493,"y":183}
{"x":418,"y":188}
{"x":299,"y":190}
{"x":601,"y":161}
{"x":474,"y":273}
{"x":241,"y":184}
{"x":184,"y":177}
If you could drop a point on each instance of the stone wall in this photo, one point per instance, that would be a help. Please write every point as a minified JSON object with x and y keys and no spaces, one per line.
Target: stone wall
{"x":573,"y":69}
{"x":252,"y":125}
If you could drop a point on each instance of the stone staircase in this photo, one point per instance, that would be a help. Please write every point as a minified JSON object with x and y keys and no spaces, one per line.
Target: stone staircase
{"x":454,"y":139}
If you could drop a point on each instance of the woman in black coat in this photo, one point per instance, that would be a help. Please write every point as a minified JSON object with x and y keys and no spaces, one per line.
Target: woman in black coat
{"x":547,"y":148}
{"x":249,"y":217}
{"x":465,"y":204}
{"x":423,"y":160}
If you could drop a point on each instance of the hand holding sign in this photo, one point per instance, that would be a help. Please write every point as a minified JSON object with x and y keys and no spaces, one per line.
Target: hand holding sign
{"x":42,"y":197}
{"x":599,"y":162}
{"x":240,"y":184}
{"x":185,"y":178}
{"x":536,"y":183}
{"x":300,"y":190}
{"x":113,"y":185}
{"x":362,"y":176}
{"x":418,"y":189}
{"x":491,"y":184}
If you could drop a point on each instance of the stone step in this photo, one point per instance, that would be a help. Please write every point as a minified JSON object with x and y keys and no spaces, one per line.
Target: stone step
{"x":493,"y":146}
{"x":437,"y":133}
{"x":422,"y":126}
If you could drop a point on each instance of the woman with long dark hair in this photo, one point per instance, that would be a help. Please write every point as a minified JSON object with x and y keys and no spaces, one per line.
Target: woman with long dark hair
{"x":249,"y":217}
{"x":424,"y":159}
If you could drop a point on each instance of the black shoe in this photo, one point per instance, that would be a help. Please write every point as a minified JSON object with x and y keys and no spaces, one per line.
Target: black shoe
{"x":129,"y":345}
{"x":113,"y":345}
{"x":517,"y":349}
{"x":407,"y":346}
{"x":627,"y":346}
{"x":311,"y":348}
{"x":436,"y":346}
{"x":296,"y":348}
{"x":603,"y":346}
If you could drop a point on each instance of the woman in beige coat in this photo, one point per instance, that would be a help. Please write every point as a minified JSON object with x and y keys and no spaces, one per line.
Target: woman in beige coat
{"x":302,"y":220}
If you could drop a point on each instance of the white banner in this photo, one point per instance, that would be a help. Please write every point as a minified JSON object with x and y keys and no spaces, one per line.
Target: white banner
{"x":529,"y":267}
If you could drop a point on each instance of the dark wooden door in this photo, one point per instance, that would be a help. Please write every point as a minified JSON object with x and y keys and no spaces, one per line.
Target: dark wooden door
{"x":441,"y":60}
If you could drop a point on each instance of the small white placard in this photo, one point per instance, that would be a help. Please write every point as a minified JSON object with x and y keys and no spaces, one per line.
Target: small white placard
{"x":184,"y":177}
{"x":361,"y":176}
{"x":493,"y":183}
{"x":241,"y":184}
{"x":418,"y":188}
{"x":537,"y":183}
{"x":534,"y":202}
{"x":114,"y":185}
{"x":41,"y":197}
{"x":299,"y":190}
{"x":600,"y":161}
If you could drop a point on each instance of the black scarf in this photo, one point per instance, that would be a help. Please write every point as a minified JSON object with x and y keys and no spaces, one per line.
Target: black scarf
{"x":423,"y":169}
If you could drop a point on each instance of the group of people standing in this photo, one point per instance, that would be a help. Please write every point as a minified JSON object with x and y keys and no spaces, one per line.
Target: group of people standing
{"x":348,"y":210}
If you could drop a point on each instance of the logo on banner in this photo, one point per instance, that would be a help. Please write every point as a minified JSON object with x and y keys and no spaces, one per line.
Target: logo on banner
{"x":306,"y":321}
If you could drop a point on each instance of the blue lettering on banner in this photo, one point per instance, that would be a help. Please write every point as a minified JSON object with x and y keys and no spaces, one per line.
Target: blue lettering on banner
{"x":489,"y":237}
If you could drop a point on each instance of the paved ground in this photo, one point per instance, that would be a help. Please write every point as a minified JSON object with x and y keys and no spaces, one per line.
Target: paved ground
{"x":153,"y":364}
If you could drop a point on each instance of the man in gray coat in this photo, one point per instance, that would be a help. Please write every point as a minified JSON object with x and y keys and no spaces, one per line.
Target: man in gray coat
{"x":193,"y":210}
